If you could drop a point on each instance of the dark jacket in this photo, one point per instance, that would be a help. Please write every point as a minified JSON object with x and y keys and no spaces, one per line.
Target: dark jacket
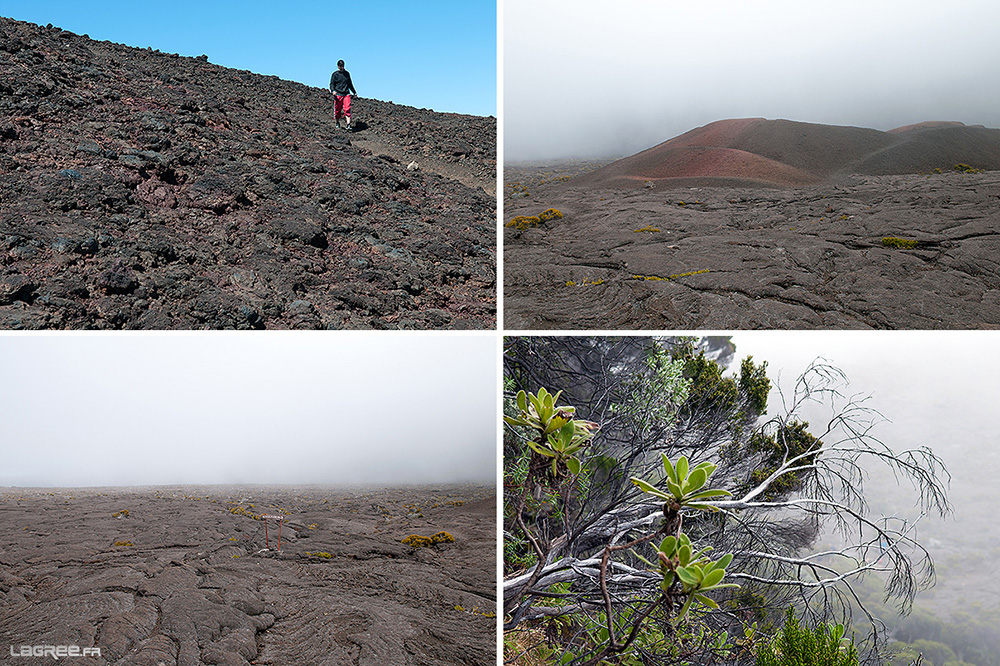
{"x":341,"y":84}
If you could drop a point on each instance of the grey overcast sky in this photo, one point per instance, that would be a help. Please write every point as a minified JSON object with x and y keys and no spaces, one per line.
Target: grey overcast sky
{"x":937,"y":389}
{"x":81,"y":410}
{"x":590,"y":78}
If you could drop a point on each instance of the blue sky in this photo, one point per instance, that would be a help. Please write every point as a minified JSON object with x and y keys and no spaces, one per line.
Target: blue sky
{"x":438,"y":54}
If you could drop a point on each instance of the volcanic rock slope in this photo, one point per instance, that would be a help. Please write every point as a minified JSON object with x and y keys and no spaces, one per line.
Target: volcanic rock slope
{"x":143,"y":190}
{"x":179,"y":576}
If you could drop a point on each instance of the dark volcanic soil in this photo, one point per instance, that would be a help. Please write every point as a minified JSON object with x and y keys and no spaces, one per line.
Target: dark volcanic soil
{"x":729,"y":257}
{"x":189,"y":583}
{"x":139,"y":189}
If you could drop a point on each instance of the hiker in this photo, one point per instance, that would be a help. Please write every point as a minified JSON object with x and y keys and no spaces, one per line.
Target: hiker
{"x":341,"y":86}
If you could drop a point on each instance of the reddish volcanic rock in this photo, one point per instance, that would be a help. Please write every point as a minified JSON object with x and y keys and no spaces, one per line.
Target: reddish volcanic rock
{"x":929,"y":124}
{"x":755,"y":151}
{"x":698,"y":162}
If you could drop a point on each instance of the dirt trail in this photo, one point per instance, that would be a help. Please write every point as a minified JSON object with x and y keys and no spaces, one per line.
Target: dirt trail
{"x":464,"y":174}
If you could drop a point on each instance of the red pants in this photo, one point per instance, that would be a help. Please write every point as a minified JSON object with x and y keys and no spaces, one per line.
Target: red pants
{"x":342,"y":107}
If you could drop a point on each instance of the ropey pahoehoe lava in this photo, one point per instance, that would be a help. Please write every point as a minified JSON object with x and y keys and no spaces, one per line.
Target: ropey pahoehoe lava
{"x":754,"y":223}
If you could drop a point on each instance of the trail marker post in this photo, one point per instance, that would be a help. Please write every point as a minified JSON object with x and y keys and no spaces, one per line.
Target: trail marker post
{"x":280,"y":519}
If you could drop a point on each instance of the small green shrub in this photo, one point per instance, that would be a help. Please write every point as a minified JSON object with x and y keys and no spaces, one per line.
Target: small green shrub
{"x":443,"y":537}
{"x":325,"y":555}
{"x":550,"y":214}
{"x":965,"y":168}
{"x":800,"y":646}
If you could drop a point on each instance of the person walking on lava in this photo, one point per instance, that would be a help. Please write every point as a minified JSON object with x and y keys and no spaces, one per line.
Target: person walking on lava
{"x":341,"y":86}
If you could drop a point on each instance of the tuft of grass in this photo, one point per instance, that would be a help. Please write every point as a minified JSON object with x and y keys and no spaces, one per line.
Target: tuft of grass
{"x":522,"y":222}
{"x":120,"y":514}
{"x":657,"y":278}
{"x":417,"y":541}
{"x":241,"y":511}
{"x":648,"y":229}
{"x":475,"y":611}
{"x":965,"y":168}
{"x":899,"y":243}
{"x":322,"y":553}
{"x":124,"y":543}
